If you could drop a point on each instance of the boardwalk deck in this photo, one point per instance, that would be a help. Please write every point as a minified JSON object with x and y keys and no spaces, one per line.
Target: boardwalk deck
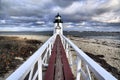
{"x":58,"y":68}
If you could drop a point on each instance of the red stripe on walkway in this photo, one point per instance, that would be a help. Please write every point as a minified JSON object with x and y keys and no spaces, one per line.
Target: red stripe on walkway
{"x":66,"y":70}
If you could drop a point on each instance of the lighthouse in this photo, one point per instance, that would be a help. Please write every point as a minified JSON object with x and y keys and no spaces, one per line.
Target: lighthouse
{"x":58,"y":29}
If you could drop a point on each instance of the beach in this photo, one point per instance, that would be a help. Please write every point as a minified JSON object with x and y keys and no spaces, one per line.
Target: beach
{"x":16,"y":49}
{"x":106,"y":52}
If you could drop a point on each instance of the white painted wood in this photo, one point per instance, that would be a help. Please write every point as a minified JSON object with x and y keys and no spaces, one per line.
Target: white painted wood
{"x":58,"y":28}
{"x":49,"y":49}
{"x":31,"y":73}
{"x":71,"y":59}
{"x":67,"y":49}
{"x":78,"y":68}
{"x":40,"y":69}
{"x":35,"y":76}
{"x":88,"y":72}
{"x":26,"y":67}
{"x":99,"y":71}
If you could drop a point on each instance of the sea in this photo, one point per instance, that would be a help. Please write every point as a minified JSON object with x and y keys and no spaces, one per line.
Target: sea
{"x":84,"y":34}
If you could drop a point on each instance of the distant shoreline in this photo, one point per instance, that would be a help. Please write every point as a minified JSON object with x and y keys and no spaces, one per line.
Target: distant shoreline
{"x":26,"y":33}
{"x":84,"y":34}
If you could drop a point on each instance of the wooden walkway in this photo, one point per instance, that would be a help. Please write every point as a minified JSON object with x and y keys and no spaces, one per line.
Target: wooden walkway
{"x":58,"y":68}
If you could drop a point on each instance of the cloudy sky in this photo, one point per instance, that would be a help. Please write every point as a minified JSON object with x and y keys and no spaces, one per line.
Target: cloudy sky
{"x":77,"y":14}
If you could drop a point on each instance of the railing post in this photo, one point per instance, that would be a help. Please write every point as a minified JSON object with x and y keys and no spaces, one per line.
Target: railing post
{"x":88,"y":72}
{"x":46,"y":56}
{"x":40,"y":69}
{"x":99,"y":72}
{"x":64,"y":43}
{"x":67,"y":49}
{"x":78,"y":68}
{"x":31,"y":73}
{"x":50,"y":49}
{"x":71,"y":60}
{"x":26,"y":70}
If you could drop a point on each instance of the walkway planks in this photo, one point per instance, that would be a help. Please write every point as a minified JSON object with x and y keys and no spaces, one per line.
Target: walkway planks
{"x":58,"y":68}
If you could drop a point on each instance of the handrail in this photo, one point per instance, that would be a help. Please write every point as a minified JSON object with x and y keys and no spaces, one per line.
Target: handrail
{"x":98,"y":71}
{"x":27,"y":66}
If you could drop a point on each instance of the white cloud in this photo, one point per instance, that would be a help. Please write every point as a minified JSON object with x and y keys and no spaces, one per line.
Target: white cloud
{"x":74,"y":11}
{"x":111,"y":4}
{"x":2,"y":21}
{"x":82,"y":8}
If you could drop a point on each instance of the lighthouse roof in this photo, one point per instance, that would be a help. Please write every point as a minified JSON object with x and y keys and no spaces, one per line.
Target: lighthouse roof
{"x":58,"y":19}
{"x":58,"y":15}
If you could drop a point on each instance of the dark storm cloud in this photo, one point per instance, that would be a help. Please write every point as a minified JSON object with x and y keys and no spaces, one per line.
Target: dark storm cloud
{"x":25,"y":7}
{"x":64,"y":3}
{"x":72,"y":10}
{"x":76,"y":18}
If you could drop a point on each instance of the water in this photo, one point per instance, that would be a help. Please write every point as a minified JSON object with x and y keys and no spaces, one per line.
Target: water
{"x":95,"y":35}
{"x":104,"y":37}
{"x":86,"y":34}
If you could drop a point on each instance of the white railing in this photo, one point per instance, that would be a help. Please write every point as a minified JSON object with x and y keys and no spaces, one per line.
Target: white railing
{"x":85,"y":66}
{"x":85,"y":69}
{"x":32,"y":68}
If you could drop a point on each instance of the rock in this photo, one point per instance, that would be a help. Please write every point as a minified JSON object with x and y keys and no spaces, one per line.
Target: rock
{"x":19,"y":58}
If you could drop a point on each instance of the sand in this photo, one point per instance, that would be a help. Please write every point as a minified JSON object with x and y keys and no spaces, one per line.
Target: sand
{"x":22,"y":38}
{"x":36,"y":37}
{"x":104,"y":51}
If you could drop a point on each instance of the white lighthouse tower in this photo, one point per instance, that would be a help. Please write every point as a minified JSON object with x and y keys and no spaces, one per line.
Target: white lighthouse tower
{"x":58,"y":29}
